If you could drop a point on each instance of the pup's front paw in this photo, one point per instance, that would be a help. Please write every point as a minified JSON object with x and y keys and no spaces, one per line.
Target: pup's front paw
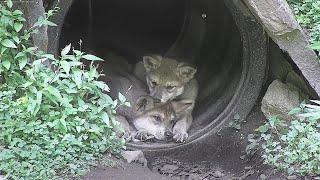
{"x":143,"y":135}
{"x":128,"y":136}
{"x":180,"y":136}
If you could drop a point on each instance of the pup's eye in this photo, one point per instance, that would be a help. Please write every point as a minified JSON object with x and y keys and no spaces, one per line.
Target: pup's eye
{"x":170,"y":87}
{"x":154,"y":83}
{"x":157,"y":118}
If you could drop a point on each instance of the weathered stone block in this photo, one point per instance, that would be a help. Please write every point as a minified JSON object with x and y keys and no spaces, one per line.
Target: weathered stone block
{"x":294,"y":79}
{"x":134,"y":156}
{"x":279,"y":99}
{"x":280,"y":24}
{"x":278,"y":65}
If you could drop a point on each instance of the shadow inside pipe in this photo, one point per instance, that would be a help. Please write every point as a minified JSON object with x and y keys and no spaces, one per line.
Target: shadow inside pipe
{"x":202,"y":31}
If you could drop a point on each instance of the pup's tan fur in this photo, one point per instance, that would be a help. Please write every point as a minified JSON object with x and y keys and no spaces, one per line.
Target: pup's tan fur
{"x":149,"y":119}
{"x":168,"y":80}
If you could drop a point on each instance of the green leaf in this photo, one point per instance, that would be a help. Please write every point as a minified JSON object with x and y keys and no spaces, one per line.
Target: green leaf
{"x":91,"y":57}
{"x":77,"y":77}
{"x":315,"y":46}
{"x":55,"y":92}
{"x":8,"y":43}
{"x":51,"y":98}
{"x":294,"y":111}
{"x":9,"y":3}
{"x":75,"y":64}
{"x":3,"y":49}
{"x":38,"y":102}
{"x":6,"y":64}
{"x":18,"y":26}
{"x":22,"y":62}
{"x":16,"y":39}
{"x":236,"y":117}
{"x":102,"y":85}
{"x":78,"y":53}
{"x":122,"y":98}
{"x":39,"y":21}
{"x":49,"y":23}
{"x":31,"y":49}
{"x":127,"y":104}
{"x":21,"y":19}
{"x":32,"y":106}
{"x":105,"y":118}
{"x":237,"y":126}
{"x":17,"y":12}
{"x":66,"y":50}
{"x":27,"y":84}
{"x":263,"y":128}
{"x":65,"y":66}
{"x":49,"y":56}
{"x":20,"y":54}
{"x":115,"y":103}
{"x":78,"y":129}
{"x":71,"y":57}
{"x":64,"y":124}
{"x":315,"y":101}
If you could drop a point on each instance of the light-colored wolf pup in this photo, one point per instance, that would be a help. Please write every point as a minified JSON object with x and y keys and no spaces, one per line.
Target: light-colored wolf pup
{"x":169,"y":80}
{"x":145,"y":119}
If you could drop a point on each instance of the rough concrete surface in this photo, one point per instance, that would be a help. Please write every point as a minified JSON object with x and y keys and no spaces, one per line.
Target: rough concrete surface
{"x":33,"y":10}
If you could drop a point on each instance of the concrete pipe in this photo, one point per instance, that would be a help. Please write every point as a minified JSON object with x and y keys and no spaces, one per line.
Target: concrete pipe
{"x":220,"y":37}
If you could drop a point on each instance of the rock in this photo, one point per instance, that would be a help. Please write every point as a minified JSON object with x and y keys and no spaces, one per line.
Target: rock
{"x":280,"y":24}
{"x":134,"y":156}
{"x":168,"y":168}
{"x":263,"y":176}
{"x":279,"y":100}
{"x":194,"y":176}
{"x":292,"y":177}
{"x":279,"y":66}
{"x":195,"y":170}
{"x":218,"y":174}
{"x":294,"y":79}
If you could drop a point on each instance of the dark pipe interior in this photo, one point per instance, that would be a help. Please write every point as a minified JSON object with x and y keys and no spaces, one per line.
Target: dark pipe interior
{"x":202,"y":31}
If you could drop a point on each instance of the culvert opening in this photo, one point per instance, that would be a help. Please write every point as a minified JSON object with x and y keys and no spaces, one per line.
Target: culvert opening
{"x":203,"y":32}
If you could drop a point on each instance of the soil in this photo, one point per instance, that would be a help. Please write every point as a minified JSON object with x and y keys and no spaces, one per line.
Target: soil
{"x":125,"y":172}
{"x":223,"y":158}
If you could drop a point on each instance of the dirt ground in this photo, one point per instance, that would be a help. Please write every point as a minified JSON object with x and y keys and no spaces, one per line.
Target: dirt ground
{"x":223,"y":158}
{"x":125,"y":172}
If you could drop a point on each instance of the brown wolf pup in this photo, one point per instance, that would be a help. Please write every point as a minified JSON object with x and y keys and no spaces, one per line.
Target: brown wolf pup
{"x":146,"y":119}
{"x":168,"y":80}
{"x":158,"y":121}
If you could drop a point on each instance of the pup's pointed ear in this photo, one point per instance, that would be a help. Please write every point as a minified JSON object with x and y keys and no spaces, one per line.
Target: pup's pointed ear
{"x":144,"y":103}
{"x":182,"y":105}
{"x":152,"y":62}
{"x":185,"y":71}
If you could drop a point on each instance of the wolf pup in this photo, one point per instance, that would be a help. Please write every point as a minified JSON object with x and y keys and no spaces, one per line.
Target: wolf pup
{"x":168,"y":80}
{"x":150,"y":119}
{"x":157,"y":121}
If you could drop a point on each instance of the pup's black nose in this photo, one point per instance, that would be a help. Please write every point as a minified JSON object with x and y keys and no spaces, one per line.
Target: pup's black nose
{"x":168,"y":134}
